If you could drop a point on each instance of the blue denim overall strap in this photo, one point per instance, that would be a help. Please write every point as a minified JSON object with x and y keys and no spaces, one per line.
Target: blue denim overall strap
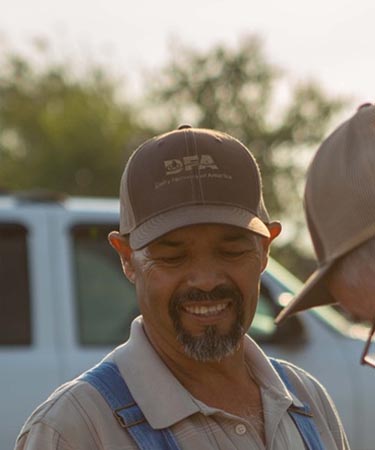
{"x":106,"y":378}
{"x":302,"y":417}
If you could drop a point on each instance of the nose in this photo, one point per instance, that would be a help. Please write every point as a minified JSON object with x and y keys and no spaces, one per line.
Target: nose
{"x":205,"y":274}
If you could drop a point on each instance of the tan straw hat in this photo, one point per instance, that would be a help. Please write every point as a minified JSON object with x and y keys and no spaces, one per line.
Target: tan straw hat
{"x":339,"y":202}
{"x":190,"y":176}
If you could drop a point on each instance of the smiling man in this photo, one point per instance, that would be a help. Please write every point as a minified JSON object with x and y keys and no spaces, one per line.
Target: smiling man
{"x":194,"y":239}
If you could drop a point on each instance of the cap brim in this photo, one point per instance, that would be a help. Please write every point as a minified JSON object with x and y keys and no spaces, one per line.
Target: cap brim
{"x":193,"y":215}
{"x":313,"y":293}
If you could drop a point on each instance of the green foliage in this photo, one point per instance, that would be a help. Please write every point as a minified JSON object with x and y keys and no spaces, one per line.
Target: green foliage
{"x":62,"y":132}
{"x":73,"y":134}
{"x":237,"y":91}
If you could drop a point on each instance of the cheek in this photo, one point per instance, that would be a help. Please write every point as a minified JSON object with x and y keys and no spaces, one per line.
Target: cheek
{"x":357,"y":300}
{"x":251,"y":297}
{"x":350,"y":304}
{"x":153,"y":290}
{"x":249,"y":285}
{"x":250,"y":277}
{"x":143,"y":275}
{"x":340,"y":292}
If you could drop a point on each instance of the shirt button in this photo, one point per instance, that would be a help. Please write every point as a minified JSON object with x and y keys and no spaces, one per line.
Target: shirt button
{"x":240,"y":429}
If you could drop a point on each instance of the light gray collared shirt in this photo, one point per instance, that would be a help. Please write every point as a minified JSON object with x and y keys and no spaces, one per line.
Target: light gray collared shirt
{"x":77,"y":417}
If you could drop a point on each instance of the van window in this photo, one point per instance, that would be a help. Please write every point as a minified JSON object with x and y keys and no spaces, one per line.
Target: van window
{"x":15,"y":327}
{"x":105,"y":300}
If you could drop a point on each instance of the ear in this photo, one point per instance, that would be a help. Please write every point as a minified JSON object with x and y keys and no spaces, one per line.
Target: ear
{"x":121,"y":245}
{"x":274,"y":229}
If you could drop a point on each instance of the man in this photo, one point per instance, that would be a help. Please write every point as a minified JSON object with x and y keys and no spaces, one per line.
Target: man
{"x":194,"y":238}
{"x":340,"y":212}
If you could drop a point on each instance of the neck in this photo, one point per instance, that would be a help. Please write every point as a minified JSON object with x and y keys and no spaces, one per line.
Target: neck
{"x":227,"y":384}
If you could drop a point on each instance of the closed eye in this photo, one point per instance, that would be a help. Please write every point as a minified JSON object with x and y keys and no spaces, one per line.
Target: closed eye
{"x":172,"y":259}
{"x":234,"y":254}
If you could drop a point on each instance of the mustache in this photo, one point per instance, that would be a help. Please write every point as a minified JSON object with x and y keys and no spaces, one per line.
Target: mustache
{"x":220,"y":292}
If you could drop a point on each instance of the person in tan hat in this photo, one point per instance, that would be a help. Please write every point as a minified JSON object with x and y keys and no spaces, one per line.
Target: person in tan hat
{"x":340,"y":212}
{"x":194,"y":238}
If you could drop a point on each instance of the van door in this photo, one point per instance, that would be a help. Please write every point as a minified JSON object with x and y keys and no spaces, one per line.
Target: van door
{"x":28,"y":358}
{"x":97,"y":304}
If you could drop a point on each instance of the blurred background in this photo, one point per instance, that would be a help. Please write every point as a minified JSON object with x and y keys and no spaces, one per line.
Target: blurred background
{"x":83,"y":83}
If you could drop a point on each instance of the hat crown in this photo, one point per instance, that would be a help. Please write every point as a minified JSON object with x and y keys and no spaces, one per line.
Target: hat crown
{"x":189,"y":169}
{"x":340,"y":188}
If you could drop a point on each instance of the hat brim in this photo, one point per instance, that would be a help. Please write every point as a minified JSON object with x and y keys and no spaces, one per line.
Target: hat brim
{"x":184,"y":216}
{"x":313,"y":293}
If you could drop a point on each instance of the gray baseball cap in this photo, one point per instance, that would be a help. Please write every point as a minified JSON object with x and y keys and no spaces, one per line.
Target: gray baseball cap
{"x":190,"y":176}
{"x":339,"y":202}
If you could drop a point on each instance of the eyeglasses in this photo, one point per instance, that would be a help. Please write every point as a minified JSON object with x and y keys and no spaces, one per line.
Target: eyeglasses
{"x":368,"y":356}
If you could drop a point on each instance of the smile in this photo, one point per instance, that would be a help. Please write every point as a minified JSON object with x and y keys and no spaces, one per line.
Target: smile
{"x":200,"y":310}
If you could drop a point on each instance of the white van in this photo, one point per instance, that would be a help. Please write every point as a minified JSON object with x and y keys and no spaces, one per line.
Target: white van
{"x":64,"y":303}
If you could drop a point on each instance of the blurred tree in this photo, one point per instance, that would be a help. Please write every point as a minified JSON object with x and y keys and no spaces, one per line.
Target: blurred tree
{"x":63,"y":132}
{"x":240,"y":92}
{"x":72,"y":133}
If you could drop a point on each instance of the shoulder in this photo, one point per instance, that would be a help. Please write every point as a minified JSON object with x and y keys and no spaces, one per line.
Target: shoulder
{"x":63,"y":416}
{"x":310,"y":391}
{"x":302,"y":380}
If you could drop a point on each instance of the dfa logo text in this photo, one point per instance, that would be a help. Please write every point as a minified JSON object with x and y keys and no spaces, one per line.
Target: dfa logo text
{"x":186,"y":164}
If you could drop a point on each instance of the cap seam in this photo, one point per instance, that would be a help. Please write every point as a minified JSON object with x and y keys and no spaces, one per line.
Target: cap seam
{"x":190,"y":153}
{"x":201,"y":190}
{"x":255,"y":169}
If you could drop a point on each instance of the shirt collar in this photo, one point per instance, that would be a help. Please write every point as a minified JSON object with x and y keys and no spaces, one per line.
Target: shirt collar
{"x":265,"y":374}
{"x":170,"y":402}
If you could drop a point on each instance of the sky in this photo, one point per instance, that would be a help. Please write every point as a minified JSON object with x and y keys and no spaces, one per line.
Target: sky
{"x":330,"y":41}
